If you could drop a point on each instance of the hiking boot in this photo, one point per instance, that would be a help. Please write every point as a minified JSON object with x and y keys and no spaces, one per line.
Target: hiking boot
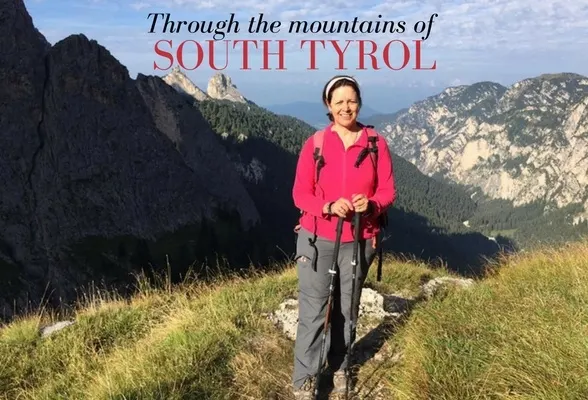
{"x":306,"y":391}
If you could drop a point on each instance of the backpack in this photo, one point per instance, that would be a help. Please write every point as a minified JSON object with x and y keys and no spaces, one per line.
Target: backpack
{"x":372,"y":151}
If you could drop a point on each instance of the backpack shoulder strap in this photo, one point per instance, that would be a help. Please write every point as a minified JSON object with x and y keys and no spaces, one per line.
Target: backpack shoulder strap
{"x":318,"y":139}
{"x":372,"y":148}
{"x":372,"y":134}
{"x":373,"y":142}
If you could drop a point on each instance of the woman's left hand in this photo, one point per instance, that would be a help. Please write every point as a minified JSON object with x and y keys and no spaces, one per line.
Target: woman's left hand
{"x":360,"y":202}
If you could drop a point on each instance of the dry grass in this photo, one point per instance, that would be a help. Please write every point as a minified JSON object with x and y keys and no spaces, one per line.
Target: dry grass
{"x":520,"y":333}
{"x":160,"y":344}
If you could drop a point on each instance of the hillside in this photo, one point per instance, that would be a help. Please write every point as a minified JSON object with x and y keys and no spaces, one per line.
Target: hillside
{"x":519,"y":332}
{"x":520,"y":150}
{"x":264,"y":148}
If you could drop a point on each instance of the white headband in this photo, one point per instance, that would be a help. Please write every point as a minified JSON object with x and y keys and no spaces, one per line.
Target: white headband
{"x":330,"y":85}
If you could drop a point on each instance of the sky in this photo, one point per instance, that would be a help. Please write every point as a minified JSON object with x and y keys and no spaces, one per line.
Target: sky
{"x":469,"y":41}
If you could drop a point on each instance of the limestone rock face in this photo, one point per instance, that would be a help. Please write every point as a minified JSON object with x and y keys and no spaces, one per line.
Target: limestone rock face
{"x":221,"y":87}
{"x":101,"y":172}
{"x":179,"y":81}
{"x":526,"y":142}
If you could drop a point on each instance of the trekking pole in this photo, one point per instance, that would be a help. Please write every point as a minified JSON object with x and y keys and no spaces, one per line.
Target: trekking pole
{"x":333,"y":272}
{"x":352,"y":317}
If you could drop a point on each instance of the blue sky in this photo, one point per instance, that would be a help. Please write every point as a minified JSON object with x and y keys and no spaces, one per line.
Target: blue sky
{"x":496,"y":40}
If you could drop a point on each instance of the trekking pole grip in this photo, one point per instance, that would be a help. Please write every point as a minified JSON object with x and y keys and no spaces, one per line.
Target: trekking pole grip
{"x":340,"y":226}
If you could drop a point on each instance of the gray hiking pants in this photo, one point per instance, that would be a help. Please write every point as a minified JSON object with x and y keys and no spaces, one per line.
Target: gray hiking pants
{"x":313,"y":293}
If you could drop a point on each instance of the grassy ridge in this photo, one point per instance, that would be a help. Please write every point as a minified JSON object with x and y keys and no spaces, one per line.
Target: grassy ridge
{"x":194,"y":341}
{"x":520,"y":333}
{"x":161,"y":344}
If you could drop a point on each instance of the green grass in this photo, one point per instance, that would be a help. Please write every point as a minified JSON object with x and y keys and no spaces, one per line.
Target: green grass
{"x":195,"y":341}
{"x":159,"y":345}
{"x":520,"y":333}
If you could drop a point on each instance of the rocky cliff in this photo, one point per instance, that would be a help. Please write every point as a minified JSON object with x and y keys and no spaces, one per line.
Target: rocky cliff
{"x":179,"y":81}
{"x":526,"y":142}
{"x":220,"y":87}
{"x":101,"y":173}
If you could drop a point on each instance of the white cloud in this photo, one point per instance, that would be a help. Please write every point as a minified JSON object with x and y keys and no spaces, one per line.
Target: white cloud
{"x":470,"y":40}
{"x":475,"y":25}
{"x":140,"y":5}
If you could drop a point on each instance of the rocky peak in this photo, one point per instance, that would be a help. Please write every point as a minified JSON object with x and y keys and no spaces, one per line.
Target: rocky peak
{"x":543,"y":92}
{"x":468,"y":96}
{"x":180,"y":81}
{"x":221,"y":87}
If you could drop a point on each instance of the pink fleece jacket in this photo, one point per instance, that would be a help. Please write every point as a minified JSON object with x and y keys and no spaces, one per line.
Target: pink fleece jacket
{"x":340,"y":178}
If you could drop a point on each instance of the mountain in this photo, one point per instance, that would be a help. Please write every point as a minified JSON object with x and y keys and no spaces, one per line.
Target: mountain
{"x":313,"y":113}
{"x":527,"y":143}
{"x":103,"y":175}
{"x":264,"y":148}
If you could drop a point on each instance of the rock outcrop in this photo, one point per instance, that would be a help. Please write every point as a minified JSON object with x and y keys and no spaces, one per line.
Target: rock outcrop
{"x":379,"y":316}
{"x":374,"y":307}
{"x":102,"y":173}
{"x":179,"y":81}
{"x":221,"y":87}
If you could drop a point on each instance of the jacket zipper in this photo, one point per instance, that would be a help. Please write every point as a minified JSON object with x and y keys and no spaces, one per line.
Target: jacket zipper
{"x":344,"y":171}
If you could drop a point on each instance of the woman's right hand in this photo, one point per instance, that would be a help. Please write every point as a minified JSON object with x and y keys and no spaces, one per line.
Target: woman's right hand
{"x":341,"y":207}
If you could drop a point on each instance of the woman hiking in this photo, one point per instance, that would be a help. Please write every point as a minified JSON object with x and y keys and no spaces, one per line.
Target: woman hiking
{"x":351,"y":178}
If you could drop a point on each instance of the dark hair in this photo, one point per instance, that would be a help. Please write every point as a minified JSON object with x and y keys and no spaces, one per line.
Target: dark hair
{"x":347,"y":81}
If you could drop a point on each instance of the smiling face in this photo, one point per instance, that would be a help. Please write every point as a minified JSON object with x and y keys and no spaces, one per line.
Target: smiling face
{"x":344,"y":106}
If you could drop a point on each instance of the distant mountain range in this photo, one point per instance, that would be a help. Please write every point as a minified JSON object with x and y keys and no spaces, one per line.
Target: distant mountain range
{"x":525,"y":143}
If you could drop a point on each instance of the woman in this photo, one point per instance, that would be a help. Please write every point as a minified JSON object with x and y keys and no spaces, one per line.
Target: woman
{"x":342,"y":189}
